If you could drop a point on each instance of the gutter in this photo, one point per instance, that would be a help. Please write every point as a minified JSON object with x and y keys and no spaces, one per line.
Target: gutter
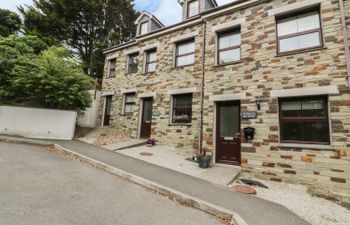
{"x":346,"y":41}
{"x":232,"y":6}
{"x":202,"y":88}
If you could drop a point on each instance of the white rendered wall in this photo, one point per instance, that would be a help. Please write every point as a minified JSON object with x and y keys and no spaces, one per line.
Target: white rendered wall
{"x":37,"y":123}
{"x":89,"y":117}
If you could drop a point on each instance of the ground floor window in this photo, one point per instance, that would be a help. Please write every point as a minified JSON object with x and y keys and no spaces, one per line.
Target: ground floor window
{"x":182,"y":108}
{"x":129,"y":103}
{"x":304,"y":120}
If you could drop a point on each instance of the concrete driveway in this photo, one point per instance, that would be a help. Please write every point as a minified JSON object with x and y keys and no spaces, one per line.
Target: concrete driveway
{"x":41,"y":187}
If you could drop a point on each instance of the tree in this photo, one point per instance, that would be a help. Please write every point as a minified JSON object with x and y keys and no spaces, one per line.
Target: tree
{"x":33,"y":75}
{"x":10,"y":23}
{"x":86,"y":26}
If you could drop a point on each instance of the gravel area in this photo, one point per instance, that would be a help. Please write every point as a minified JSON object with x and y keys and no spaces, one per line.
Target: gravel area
{"x":102,"y":136}
{"x":110,"y":136}
{"x":316,"y":211}
{"x":81,"y":131}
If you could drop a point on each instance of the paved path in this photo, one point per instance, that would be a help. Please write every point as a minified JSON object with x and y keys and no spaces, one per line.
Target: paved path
{"x":253,"y":210}
{"x":164,"y":156}
{"x":38,"y":187}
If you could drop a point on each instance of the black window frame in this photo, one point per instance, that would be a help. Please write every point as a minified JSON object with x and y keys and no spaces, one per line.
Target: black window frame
{"x":315,"y":9}
{"x":133,"y":103}
{"x":148,"y":62}
{"x":177,"y":55}
{"x":177,"y":107}
{"x":219,"y":50}
{"x":299,"y":119}
{"x":129,"y":65}
{"x":111,"y":71}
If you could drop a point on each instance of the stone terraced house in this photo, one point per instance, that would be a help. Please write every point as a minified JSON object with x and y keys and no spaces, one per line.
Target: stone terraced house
{"x":260,"y":84}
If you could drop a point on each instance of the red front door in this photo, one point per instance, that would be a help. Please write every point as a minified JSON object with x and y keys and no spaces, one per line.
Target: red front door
{"x":228,"y":141}
{"x":146,"y":122}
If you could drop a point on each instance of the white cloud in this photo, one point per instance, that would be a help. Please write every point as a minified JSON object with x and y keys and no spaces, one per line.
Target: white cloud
{"x":221,"y":2}
{"x":12,"y":4}
{"x":170,"y":12}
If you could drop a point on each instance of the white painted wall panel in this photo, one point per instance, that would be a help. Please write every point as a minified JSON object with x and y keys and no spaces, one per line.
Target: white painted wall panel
{"x":37,"y":123}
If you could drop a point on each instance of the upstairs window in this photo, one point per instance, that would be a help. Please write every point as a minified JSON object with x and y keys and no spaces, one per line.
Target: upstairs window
{"x":112,"y":66}
{"x":129,"y":103}
{"x":182,"y":108}
{"x":304,"y":120}
{"x":185,"y":52}
{"x":192,"y":8}
{"x":151,"y":59}
{"x":133,"y":63}
{"x":299,"y":32}
{"x":229,"y":46}
{"x":143,"y":28}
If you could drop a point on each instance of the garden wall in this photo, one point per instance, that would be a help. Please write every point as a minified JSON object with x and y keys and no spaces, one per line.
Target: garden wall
{"x":89,"y":117}
{"x":37,"y":123}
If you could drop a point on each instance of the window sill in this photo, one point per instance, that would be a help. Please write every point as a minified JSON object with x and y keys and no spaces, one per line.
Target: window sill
{"x":228,"y":64}
{"x":300,"y":51}
{"x":182,"y":67}
{"x":127,"y":114}
{"x":148,"y":73}
{"x":308,"y":146}
{"x":180,"y":124}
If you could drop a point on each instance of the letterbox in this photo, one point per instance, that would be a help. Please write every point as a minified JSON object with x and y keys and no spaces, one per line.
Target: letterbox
{"x":249,"y":133}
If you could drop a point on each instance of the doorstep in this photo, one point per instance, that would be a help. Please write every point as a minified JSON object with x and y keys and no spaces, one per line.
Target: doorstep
{"x":124,"y":145}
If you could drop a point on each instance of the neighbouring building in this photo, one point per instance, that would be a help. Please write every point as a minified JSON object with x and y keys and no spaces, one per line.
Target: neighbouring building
{"x":262,"y":84}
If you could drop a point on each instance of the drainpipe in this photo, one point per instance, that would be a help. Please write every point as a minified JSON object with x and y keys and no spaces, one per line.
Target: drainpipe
{"x":345,"y":37}
{"x":202,"y":88}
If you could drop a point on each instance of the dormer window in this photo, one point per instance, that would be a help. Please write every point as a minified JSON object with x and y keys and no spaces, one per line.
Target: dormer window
{"x":146,"y":23}
{"x":193,"y":8}
{"x":143,"y":28}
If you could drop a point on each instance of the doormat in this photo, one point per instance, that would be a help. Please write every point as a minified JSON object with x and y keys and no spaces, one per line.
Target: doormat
{"x":146,"y":154}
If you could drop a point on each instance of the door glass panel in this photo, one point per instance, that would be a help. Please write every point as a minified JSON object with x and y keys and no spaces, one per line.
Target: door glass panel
{"x":147,"y":116}
{"x":108,"y":105}
{"x":229,"y":121}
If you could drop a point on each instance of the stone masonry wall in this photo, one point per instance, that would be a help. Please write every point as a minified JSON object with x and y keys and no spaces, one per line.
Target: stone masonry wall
{"x":262,"y":70}
{"x":165,"y":78}
{"x":259,"y":72}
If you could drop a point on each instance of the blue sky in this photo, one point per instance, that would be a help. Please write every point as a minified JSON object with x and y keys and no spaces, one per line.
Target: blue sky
{"x":167,"y":11}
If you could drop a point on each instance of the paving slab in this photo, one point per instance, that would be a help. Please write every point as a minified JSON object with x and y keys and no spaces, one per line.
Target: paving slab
{"x":167,"y":157}
{"x":253,"y":210}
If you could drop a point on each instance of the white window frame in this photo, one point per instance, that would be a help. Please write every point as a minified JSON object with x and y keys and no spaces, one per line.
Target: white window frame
{"x":141,"y":26}
{"x":188,"y":8}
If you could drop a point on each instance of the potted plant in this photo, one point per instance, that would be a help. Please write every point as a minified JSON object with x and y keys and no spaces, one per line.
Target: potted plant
{"x":204,"y":159}
{"x":151,"y":142}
